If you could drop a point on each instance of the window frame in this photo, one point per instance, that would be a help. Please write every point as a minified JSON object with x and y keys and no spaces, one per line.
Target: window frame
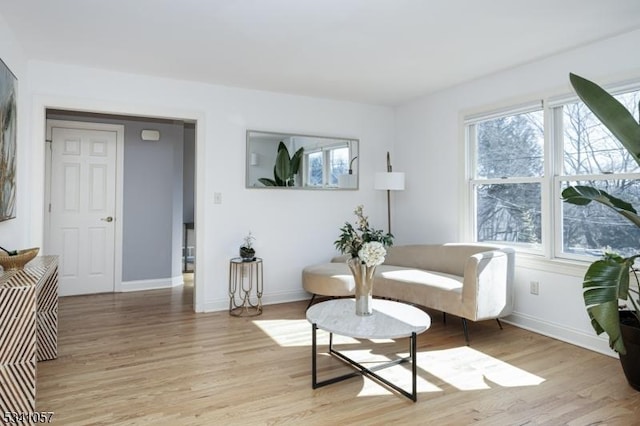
{"x":472,"y":182}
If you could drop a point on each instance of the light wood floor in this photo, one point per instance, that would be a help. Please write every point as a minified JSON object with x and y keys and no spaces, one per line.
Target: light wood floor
{"x":145,"y":358}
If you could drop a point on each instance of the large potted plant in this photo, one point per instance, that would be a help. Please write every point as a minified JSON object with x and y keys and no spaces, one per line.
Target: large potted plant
{"x":610,"y":285}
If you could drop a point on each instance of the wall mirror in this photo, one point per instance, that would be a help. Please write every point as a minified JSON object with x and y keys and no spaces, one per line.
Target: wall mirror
{"x":293,"y":161}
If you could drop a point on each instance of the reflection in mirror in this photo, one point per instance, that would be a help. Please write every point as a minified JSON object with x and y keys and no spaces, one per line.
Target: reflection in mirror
{"x":294,"y":161}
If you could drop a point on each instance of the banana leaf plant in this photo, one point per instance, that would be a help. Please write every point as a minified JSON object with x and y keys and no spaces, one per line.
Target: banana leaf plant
{"x":286,"y":167}
{"x":607,"y":280}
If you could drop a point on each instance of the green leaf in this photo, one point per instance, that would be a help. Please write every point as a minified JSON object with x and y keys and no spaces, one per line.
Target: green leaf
{"x":582,"y":195}
{"x":267,"y":182}
{"x":610,"y":112}
{"x":283,"y":166}
{"x":606,"y":281}
{"x":296,"y":160}
{"x":283,"y":147}
{"x":601,"y":286}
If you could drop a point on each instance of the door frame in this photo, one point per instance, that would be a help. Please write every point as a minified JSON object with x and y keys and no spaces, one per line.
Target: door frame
{"x":41,"y":103}
{"x":119,"y":211}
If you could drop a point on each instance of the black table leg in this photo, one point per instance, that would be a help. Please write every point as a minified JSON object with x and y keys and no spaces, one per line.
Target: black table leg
{"x":362,"y":370}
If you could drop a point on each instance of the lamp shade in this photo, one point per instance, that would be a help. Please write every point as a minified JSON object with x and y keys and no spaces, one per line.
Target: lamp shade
{"x":392,"y":181}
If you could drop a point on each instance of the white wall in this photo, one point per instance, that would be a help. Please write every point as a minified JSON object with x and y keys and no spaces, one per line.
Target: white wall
{"x":429,"y":148}
{"x":293,"y":228}
{"x":14,"y":233}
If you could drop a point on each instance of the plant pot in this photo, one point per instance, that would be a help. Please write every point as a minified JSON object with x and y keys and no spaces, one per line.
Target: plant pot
{"x":247,"y":253}
{"x":363,"y":278}
{"x":630,"y":329}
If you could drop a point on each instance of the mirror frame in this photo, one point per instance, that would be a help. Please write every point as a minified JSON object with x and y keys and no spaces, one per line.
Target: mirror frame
{"x":252,"y":159}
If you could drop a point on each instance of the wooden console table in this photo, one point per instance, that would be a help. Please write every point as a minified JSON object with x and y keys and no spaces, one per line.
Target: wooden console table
{"x":28,"y":330}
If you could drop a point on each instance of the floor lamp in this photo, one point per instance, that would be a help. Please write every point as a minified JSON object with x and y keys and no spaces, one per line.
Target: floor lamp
{"x":389,"y":181}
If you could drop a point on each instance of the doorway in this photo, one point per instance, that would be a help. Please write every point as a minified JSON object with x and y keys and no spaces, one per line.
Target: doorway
{"x":150,"y":201}
{"x":81,"y":202}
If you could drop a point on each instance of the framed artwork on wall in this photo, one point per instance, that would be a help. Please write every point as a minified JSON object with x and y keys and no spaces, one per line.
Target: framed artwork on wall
{"x":8,"y":112}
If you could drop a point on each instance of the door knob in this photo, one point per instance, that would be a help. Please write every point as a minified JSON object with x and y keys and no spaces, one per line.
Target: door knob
{"x":107,"y":219}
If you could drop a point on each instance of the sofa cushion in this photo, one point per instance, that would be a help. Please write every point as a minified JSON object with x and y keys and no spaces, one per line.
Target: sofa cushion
{"x":426,"y":288}
{"x":328,"y":279}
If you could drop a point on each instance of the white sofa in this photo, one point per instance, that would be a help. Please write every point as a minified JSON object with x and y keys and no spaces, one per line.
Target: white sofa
{"x":471,"y":281}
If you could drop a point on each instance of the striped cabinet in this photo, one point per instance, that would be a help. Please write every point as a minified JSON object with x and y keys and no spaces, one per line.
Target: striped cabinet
{"x":28,"y":330}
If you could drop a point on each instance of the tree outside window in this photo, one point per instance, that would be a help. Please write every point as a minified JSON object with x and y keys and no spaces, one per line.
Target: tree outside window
{"x":592,"y":156}
{"x":507,"y":189}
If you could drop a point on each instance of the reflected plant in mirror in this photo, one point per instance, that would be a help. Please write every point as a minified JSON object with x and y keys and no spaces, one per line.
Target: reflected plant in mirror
{"x":286,"y":168}
{"x":294,"y":161}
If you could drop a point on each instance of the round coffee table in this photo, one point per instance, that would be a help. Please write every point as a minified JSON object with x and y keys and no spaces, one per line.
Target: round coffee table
{"x":390,"y":320}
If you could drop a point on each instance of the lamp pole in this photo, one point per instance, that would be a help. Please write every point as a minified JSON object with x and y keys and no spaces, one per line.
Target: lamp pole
{"x":389,"y":170}
{"x":389,"y":181}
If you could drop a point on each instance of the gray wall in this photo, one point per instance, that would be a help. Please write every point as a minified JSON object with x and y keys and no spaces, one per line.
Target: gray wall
{"x":152,"y":201}
{"x":152,"y":198}
{"x":189,"y":165}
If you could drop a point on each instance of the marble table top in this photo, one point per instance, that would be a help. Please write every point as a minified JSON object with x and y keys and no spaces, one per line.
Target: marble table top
{"x":389,"y":319}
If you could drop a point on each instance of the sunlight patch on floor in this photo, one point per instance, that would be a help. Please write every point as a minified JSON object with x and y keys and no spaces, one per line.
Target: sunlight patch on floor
{"x":468,"y":369}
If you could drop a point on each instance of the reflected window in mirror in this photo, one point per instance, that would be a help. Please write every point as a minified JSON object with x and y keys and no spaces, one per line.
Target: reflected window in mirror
{"x":324,"y":166}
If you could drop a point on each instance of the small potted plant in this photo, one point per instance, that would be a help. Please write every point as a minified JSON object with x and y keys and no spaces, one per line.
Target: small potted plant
{"x":247,"y":252}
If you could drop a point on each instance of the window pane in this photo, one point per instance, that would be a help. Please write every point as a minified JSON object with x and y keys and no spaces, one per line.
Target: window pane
{"x":338,"y":164}
{"x":315,"y":169}
{"x":592,"y":228}
{"x":509,"y":212}
{"x":510,"y":146}
{"x":589,"y":148}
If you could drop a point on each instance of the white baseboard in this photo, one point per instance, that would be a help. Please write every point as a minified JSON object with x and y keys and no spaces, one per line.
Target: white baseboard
{"x":216,"y":305}
{"x":560,"y":332}
{"x":154,"y":284}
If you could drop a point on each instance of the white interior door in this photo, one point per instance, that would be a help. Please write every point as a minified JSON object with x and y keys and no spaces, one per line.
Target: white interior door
{"x":82,"y":206}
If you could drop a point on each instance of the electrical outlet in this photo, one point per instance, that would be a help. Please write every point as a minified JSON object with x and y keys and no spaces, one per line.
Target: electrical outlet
{"x":534,"y":287}
{"x":217,"y":198}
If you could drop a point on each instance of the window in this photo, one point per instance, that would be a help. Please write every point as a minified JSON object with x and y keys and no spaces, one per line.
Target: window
{"x":324,"y":165}
{"x":519,"y":161}
{"x":592,"y":156}
{"x":507,"y":177}
{"x":315,"y":169}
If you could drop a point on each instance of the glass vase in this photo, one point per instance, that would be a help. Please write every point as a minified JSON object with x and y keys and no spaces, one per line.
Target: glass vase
{"x":363,"y":277}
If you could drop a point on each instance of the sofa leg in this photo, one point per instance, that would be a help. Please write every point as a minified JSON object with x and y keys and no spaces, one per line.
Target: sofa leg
{"x":444,"y":318}
{"x":466,"y":330}
{"x":310,"y":301}
{"x":499,"y":323}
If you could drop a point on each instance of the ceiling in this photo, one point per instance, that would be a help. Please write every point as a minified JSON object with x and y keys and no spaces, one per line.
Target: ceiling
{"x":374,"y":51}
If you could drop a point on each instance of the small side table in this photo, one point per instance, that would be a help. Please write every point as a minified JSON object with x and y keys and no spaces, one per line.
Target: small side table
{"x":244,"y":276}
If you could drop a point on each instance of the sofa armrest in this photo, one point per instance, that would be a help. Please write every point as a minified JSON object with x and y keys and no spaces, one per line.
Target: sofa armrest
{"x":487,"y":286}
